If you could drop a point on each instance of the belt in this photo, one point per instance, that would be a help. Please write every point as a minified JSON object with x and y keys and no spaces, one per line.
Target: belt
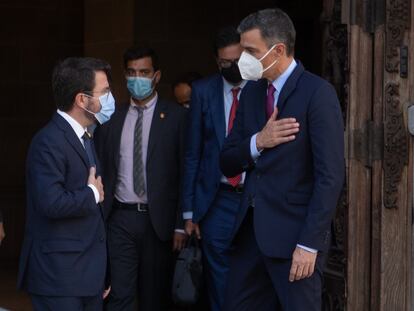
{"x":226,"y":187}
{"x":139,"y":207}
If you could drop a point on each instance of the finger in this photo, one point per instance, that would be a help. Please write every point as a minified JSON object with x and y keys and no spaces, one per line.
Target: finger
{"x":284,"y":133}
{"x":99,"y":179}
{"x":286,"y":121}
{"x":286,"y":126}
{"x":174,"y":244}
{"x":305,"y":272}
{"x":197,"y":230}
{"x":292,"y":272}
{"x":299,"y":272}
{"x":92,"y":171}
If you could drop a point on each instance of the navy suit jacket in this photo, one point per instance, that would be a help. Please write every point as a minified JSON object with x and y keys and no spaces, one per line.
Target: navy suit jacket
{"x":206,"y":134}
{"x":64,"y":248}
{"x":294,"y":187}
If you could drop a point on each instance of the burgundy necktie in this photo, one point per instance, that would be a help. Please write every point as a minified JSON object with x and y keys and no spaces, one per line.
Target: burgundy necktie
{"x":270,"y":103}
{"x":234,"y":181}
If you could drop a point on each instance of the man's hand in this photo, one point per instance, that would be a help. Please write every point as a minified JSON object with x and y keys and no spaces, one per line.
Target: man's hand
{"x":2,"y":233}
{"x":191,"y":227}
{"x":276,"y":132}
{"x":106,"y":292}
{"x":179,"y":241}
{"x":97,"y":182}
{"x":303,"y":264}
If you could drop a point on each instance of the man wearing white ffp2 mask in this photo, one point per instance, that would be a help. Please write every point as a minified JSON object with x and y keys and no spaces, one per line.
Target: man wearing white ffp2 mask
{"x":282,"y":232}
{"x":251,"y":68}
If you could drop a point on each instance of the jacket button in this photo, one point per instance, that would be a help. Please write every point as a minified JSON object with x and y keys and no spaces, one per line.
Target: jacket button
{"x":101,"y":239}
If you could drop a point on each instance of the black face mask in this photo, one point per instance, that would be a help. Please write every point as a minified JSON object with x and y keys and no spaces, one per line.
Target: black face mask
{"x":232,"y":74}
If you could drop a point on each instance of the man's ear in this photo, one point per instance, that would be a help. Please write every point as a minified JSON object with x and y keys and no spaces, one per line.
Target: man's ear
{"x":158,"y":76}
{"x":80,"y":100}
{"x":280,"y":50}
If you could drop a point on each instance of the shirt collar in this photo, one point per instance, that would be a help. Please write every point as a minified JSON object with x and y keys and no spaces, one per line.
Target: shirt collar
{"x":227,"y":87}
{"x":281,"y":80}
{"x":79,"y":129}
{"x":148,"y":105}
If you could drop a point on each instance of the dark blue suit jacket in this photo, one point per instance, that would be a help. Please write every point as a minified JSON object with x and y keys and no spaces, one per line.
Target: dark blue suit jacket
{"x":295,"y":186}
{"x":64,"y":249}
{"x":206,"y":134}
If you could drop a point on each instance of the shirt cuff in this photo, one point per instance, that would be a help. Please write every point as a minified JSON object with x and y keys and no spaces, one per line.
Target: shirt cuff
{"x":180,"y":231}
{"x":312,"y":250}
{"x":188,"y":215}
{"x":253,"y":149}
{"x":95,"y":192}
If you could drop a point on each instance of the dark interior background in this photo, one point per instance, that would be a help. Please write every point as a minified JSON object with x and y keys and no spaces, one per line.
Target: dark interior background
{"x":35,"y":34}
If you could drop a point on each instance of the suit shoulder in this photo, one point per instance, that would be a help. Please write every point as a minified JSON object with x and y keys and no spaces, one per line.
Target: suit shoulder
{"x":49,"y":135}
{"x":206,"y":82}
{"x":314,"y":81}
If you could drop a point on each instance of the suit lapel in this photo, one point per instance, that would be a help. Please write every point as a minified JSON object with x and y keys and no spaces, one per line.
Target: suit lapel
{"x":71,"y":137}
{"x":216,"y":102}
{"x":117,"y":133}
{"x":158,"y":119}
{"x":289,"y":86}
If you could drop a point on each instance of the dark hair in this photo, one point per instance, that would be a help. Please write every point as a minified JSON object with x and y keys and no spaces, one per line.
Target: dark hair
{"x":275,"y":26}
{"x":75,"y":75}
{"x":225,"y":37}
{"x":187,"y":78}
{"x":134,"y":53}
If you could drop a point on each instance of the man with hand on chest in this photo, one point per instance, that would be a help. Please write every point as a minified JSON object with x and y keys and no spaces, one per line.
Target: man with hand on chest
{"x":64,"y":256}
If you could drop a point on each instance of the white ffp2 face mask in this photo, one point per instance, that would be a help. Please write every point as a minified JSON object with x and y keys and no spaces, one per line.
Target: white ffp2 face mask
{"x":251,"y":68}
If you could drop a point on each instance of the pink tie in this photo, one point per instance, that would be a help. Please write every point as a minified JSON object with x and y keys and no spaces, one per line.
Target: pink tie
{"x":270,"y":100}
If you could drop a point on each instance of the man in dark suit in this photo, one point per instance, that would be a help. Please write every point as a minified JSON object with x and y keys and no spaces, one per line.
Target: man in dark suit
{"x":210,"y":200}
{"x":282,"y":232}
{"x":141,"y":151}
{"x":63,"y":259}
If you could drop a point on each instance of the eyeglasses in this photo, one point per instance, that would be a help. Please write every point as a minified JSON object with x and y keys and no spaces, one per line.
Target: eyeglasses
{"x":225,"y":63}
{"x":106,"y":94}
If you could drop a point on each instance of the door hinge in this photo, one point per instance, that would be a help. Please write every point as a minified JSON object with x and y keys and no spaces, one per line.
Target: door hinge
{"x":368,"y":143}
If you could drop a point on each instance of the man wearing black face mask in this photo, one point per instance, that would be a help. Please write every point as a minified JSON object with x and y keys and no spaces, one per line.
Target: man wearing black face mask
{"x":210,"y":200}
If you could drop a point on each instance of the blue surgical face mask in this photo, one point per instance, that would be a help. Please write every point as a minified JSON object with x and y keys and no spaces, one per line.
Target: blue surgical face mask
{"x":107,"y":102}
{"x":140,"y":87}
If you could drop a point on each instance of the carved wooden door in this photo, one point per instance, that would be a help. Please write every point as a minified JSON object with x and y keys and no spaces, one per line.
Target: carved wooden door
{"x":368,"y":56}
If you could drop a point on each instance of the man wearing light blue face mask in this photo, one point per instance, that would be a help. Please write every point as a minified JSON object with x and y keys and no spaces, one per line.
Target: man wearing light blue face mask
{"x":141,"y":150}
{"x":63,"y":260}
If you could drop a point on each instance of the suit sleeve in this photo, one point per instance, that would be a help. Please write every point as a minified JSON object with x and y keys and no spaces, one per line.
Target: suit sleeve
{"x":235,"y":157}
{"x":193,"y":149}
{"x":46,"y":167}
{"x":179,"y":224}
{"x":326,"y":133}
{"x":1,"y":217}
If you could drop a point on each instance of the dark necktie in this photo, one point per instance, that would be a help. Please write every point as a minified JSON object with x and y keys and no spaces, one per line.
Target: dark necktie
{"x":234,"y":181}
{"x":270,"y":103}
{"x":88,"y":147}
{"x":138,"y":169}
